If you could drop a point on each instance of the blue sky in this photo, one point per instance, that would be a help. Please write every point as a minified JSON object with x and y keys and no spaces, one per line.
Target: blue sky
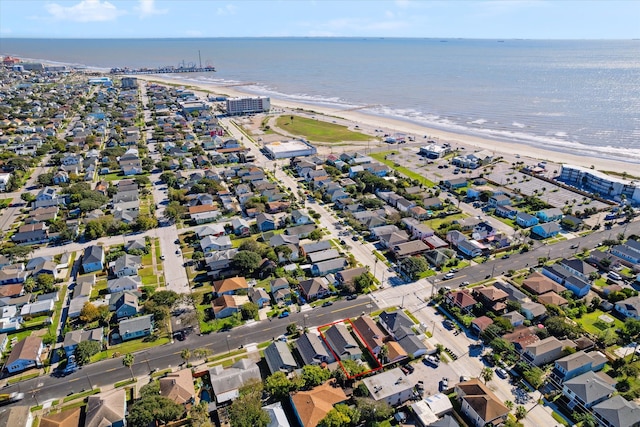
{"x":540,"y":19}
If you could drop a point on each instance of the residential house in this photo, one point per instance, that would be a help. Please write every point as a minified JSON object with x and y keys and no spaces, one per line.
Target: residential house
{"x":38,"y":308}
{"x":549,"y":215}
{"x":300,"y":218}
{"x":226,"y":383}
{"x":310,"y":248}
{"x":329,"y":266}
{"x":461,"y":299}
{"x":125,"y":265}
{"x":411,"y":248}
{"x":578,"y":286}
{"x":538,"y":284}
{"x":107,"y":409}
{"x":311,"y":406}
{"x":25,"y":354}
{"x":279,"y":358}
{"x":617,"y":412}
{"x":480,"y":404}
{"x":265,"y":222}
{"x":492,"y":298}
{"x":93,"y":259}
{"x":240,"y":227}
{"x":215,"y":230}
{"x":586,"y":390}
{"x":301,"y":231}
{"x":73,"y":338}
{"x":125,"y":283}
{"x":277,"y":415}
{"x":213,"y":243}
{"x":313,"y":350}
{"x":392,"y":387}
{"x":578,"y":363}
{"x":525,"y":220}
{"x":533,"y":310}
{"x":578,"y":268}
{"x":546,"y":230}
{"x":342,"y":343}
{"x":31,"y":233}
{"x":545,"y":351}
{"x":123,"y":304}
{"x":280,"y":290}
{"x":67,"y":418}
{"x":369,"y":334}
{"x":75,"y":306}
{"x":479,"y":324}
{"x":515,"y":319}
{"x":506,"y":211}
{"x":552,"y":298}
{"x":230,"y":286}
{"x":259,"y":297}
{"x":314,"y":288}
{"x":136,"y":327}
{"x":629,"y":307}
{"x":345,"y":277}
{"x":499,"y":200}
{"x":224,"y":306}
{"x":178,"y":387}
{"x":626,"y":253}
{"x":136,"y":244}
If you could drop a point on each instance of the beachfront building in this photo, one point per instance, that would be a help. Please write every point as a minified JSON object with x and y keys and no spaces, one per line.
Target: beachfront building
{"x":288,"y":149}
{"x":435,"y":151}
{"x":600,"y":183}
{"x":248,"y":105}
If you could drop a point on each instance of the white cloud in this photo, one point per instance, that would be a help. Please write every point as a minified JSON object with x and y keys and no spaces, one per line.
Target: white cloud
{"x":148,"y":8}
{"x":85,"y":11}
{"x":228,"y":9}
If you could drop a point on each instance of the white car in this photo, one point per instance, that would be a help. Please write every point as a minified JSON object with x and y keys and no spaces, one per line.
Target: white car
{"x":449,"y":276}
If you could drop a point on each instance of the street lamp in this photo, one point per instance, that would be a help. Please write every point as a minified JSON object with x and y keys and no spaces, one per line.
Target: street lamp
{"x":304,"y":318}
{"x":228,"y":348}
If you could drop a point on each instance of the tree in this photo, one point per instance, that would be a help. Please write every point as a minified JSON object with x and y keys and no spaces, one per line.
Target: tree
{"x":89,"y":312}
{"x":373,"y":411}
{"x":247,"y":261}
{"x":414,"y":266}
{"x":292,"y":328}
{"x":174,"y":210}
{"x":146,"y":222}
{"x":85,"y":350}
{"x":151,"y":389}
{"x":558,"y":327}
{"x":165,"y":297}
{"x":314,"y":375}
{"x":46,"y":282}
{"x":585,"y":419}
{"x":201,"y":353}
{"x":362,"y":282}
{"x":154,"y":408}
{"x":278,"y":385}
{"x":28,"y":197}
{"x":341,"y":416}
{"x":249,"y":310}
{"x":127,"y":361}
{"x":486,"y":374}
{"x":185,"y":354}
{"x":508,"y":404}
{"x":199,"y":415}
{"x":534,"y":376}
{"x":521,"y":412}
{"x":315,"y":234}
{"x":246,"y":410}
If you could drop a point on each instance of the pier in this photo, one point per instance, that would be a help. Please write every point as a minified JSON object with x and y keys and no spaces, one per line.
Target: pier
{"x":164,"y":70}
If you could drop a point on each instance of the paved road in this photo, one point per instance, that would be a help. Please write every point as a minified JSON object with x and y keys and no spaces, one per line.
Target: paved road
{"x":109,"y":371}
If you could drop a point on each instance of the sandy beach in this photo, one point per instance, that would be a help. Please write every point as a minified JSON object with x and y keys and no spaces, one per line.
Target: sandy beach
{"x":389,"y":125}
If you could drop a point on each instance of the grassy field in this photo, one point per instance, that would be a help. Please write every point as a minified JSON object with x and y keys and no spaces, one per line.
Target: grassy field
{"x":407,"y":172}
{"x":5,"y":202}
{"x":317,"y":130}
{"x":593,"y":325}
{"x":436,"y":222}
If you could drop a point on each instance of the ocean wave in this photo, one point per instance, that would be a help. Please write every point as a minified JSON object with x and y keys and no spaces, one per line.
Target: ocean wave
{"x":477,"y":122}
{"x":551,"y":142}
{"x":518,"y":125}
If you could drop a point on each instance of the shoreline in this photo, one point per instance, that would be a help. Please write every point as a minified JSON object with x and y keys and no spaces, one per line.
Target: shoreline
{"x":510,"y":149}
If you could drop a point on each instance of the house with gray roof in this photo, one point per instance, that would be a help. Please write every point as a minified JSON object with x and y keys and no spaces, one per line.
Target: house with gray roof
{"x":126,"y":265}
{"x":629,"y":307}
{"x":617,"y":412}
{"x":124,"y":304}
{"x":313,"y":350}
{"x":325,"y":255}
{"x":125,"y":283}
{"x":93,"y":259}
{"x":107,"y":409}
{"x":342,"y":343}
{"x":226,"y":383}
{"x":310,"y":248}
{"x":578,"y":363}
{"x":545,"y":351}
{"x":73,"y":338}
{"x":330,"y":266}
{"x":279,"y":357}
{"x":314,"y":288}
{"x":586,"y":390}
{"x":136,"y":327}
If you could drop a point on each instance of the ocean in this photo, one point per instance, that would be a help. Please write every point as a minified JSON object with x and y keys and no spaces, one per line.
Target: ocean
{"x":581,"y":97}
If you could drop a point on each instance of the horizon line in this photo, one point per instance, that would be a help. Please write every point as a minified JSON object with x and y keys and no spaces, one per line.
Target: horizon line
{"x":318,"y":37}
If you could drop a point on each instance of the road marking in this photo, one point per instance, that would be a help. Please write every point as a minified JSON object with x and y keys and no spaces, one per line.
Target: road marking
{"x":111,"y":370}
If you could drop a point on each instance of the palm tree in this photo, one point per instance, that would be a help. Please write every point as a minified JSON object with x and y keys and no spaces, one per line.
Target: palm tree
{"x":127,"y":361}
{"x":486,"y":374}
{"x":521,"y":412}
{"x":508,"y":404}
{"x":384,"y":353}
{"x":185,"y":355}
{"x":202,"y":352}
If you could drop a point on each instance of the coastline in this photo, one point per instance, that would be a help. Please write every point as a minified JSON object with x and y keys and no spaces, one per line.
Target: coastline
{"x":509,"y":150}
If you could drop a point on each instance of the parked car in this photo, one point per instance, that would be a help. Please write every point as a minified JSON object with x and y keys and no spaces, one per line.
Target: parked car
{"x":449,"y":276}
{"x":431,"y":360}
{"x":501,"y":373}
{"x":352,"y":297}
{"x":327,"y":304}
{"x":444,"y":383}
{"x":283,"y":315}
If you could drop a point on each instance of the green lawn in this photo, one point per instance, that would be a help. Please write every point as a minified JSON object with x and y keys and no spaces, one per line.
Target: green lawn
{"x":5,"y":202}
{"x":435,"y":223}
{"x":405,"y":171}
{"x":135,"y":345}
{"x":100,"y":286}
{"x":113,"y":176}
{"x":319,"y":130}
{"x":593,"y":325}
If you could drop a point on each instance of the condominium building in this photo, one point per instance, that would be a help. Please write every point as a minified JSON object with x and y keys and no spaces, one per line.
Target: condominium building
{"x":248,"y":105}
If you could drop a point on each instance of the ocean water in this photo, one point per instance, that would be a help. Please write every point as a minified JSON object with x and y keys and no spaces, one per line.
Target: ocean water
{"x":581,"y":97}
